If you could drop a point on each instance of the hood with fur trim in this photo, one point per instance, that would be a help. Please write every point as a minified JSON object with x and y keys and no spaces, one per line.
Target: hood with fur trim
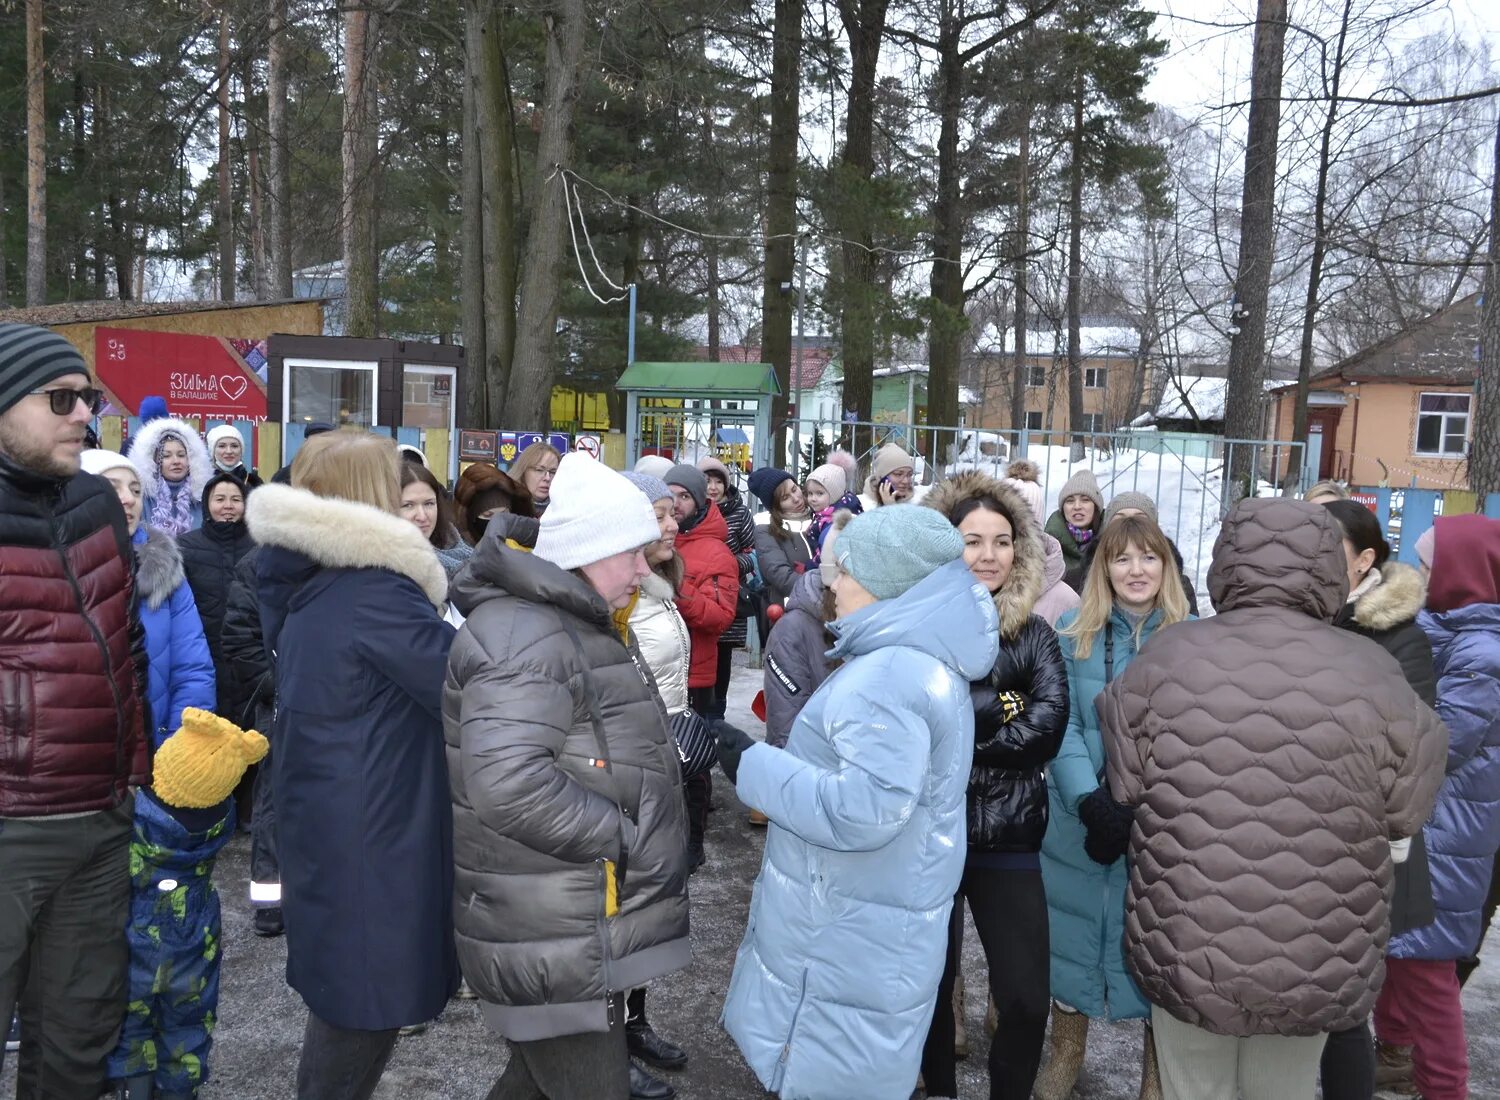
{"x":341,"y":534}
{"x":1015,"y":601}
{"x":1395,"y":598}
{"x":158,"y":565}
{"x":142,"y":451}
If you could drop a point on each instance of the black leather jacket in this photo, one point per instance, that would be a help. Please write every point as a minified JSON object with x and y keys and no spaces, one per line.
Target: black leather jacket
{"x":1007,"y":801}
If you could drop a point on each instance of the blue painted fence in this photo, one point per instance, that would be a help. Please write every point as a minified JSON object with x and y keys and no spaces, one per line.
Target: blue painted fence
{"x":1405,"y":514}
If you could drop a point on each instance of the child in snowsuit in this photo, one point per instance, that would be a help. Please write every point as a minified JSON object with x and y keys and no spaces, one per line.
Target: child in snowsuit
{"x":181,"y":822}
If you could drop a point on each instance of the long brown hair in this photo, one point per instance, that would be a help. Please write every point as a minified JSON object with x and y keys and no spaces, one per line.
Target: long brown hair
{"x":778,"y":521}
{"x":1098,"y":600}
{"x":444,"y":533}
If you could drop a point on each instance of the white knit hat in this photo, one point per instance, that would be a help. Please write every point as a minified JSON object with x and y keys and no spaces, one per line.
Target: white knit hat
{"x":97,"y":461}
{"x":594,"y":513}
{"x":223,"y":431}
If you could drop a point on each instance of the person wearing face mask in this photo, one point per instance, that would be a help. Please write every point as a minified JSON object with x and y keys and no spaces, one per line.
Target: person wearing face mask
{"x":834,"y":983}
{"x":1076,"y":523}
{"x":424,"y":504}
{"x":227,"y":449}
{"x":707,"y":597}
{"x":534,"y":470}
{"x":568,"y":815}
{"x":174,"y":467}
{"x":1129,"y":596}
{"x":484,"y":491}
{"x":181,"y":668}
{"x":1020,"y":713}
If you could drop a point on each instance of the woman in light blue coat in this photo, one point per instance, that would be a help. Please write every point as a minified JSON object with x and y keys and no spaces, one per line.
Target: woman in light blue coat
{"x":1127,"y":596}
{"x":834,"y":984}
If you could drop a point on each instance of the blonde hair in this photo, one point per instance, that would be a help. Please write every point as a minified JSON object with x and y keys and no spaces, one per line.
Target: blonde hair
{"x":351,"y":465}
{"x":1098,"y":599}
{"x":1328,"y":488}
{"x":530,"y":458}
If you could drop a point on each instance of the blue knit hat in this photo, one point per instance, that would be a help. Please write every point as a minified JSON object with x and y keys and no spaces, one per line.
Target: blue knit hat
{"x":764,"y":483}
{"x":654,"y":487}
{"x":888,"y":550}
{"x":153,"y":407}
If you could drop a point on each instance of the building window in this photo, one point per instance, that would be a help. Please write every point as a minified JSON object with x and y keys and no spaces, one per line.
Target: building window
{"x":1034,"y":420}
{"x":1036,"y":377}
{"x":1093,"y":378}
{"x":1442,"y":424}
{"x":1093,"y":422}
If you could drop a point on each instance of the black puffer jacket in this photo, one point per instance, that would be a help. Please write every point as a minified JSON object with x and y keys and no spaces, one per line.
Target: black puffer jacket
{"x":209,"y":558}
{"x":250,"y":678}
{"x":1007,"y":785}
{"x":1384,"y":609}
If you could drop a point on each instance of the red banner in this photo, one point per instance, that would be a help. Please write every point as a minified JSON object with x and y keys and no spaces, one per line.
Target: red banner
{"x":204,"y":376}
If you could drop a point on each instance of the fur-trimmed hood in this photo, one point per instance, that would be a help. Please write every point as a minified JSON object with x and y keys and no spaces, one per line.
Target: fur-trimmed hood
{"x":1395,"y":598}
{"x":1015,"y":601}
{"x":341,"y":534}
{"x":659,"y":587}
{"x":143,"y":447}
{"x":158,"y":565}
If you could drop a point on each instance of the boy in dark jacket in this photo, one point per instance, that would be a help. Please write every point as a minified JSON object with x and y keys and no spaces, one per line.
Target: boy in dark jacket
{"x":174,"y":931}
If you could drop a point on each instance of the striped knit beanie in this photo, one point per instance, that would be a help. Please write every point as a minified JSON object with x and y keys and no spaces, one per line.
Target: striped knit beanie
{"x":30,"y":357}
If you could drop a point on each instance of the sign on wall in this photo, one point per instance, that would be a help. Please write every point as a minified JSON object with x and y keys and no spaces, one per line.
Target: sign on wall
{"x":589,"y":445}
{"x":476,"y":446}
{"x":203,"y":376}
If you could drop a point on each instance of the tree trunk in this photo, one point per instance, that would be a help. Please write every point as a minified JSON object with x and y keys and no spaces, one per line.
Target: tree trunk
{"x":948,"y":323}
{"x":4,"y":283}
{"x":778,"y":295}
{"x":255,"y":178}
{"x":361,"y":275}
{"x":475,"y":391}
{"x":864,"y":22}
{"x":224,"y":204}
{"x":496,"y":140}
{"x":1075,"y":277}
{"x":1247,"y":348}
{"x":36,"y":158}
{"x":1022,"y":271}
{"x":529,"y":393}
{"x":278,"y":175}
{"x":1484,"y":435}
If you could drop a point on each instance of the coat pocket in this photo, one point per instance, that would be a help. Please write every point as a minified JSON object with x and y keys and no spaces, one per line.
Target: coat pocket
{"x":17,"y":722}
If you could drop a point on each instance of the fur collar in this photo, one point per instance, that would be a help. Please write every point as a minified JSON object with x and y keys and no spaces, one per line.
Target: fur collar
{"x":340,"y":534}
{"x":657,"y":587}
{"x":158,"y":567}
{"x":144,"y":443}
{"x":1395,"y":598}
{"x":1014,"y":602}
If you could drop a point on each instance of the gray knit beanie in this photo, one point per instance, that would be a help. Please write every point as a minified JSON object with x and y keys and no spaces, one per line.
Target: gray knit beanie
{"x":694,"y":480}
{"x":30,"y":357}
{"x":1130,"y":500}
{"x":654,"y":487}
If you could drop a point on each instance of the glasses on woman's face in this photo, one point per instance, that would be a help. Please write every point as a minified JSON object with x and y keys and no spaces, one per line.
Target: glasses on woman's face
{"x":545,"y":473}
{"x":63,"y":400}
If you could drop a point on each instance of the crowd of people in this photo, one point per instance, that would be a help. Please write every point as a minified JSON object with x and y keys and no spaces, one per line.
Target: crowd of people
{"x":490,"y":717}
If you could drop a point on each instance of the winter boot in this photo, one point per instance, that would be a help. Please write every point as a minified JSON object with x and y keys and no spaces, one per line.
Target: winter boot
{"x":1150,"y":1073}
{"x":465,"y":991}
{"x":1393,"y":1067}
{"x":960,"y":1033}
{"x":135,"y":1088}
{"x":642,"y":1040}
{"x":645,"y":1087}
{"x":696,"y":793}
{"x":1070,"y":1034}
{"x":268,"y":922}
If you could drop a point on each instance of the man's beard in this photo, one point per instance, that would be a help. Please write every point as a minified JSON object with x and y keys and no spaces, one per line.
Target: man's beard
{"x":34,"y":456}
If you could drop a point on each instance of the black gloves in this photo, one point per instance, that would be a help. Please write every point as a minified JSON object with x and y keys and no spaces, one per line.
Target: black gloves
{"x":733,"y":742}
{"x":1106,"y":826}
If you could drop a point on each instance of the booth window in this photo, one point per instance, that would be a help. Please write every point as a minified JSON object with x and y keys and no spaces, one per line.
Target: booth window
{"x":1443,"y":424}
{"x":337,"y":395}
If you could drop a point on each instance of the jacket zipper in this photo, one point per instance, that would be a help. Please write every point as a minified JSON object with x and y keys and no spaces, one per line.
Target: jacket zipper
{"x":609,"y":1000}
{"x":109,"y":672}
{"x":786,"y":1048}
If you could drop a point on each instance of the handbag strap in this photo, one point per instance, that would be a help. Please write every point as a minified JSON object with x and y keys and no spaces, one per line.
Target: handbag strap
{"x":597,"y":721}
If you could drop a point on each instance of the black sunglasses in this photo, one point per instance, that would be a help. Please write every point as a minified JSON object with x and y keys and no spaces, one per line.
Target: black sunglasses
{"x":62,"y":401}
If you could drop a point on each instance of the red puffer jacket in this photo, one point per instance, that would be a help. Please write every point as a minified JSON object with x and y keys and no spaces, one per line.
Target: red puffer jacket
{"x":709,"y":594}
{"x":72,"y":653}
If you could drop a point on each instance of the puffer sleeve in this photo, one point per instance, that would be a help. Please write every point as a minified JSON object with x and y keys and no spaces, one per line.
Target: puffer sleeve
{"x":1420,"y":741}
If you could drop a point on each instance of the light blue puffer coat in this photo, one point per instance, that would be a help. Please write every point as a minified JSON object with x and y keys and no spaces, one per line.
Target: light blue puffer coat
{"x":1086,"y":901}
{"x":181,"y":670}
{"x":834,"y":985}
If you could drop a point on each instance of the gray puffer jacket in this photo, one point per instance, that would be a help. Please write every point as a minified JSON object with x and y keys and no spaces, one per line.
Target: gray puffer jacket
{"x":1270,"y":757}
{"x":538,"y":810}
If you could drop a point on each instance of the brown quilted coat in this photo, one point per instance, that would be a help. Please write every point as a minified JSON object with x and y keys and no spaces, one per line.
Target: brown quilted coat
{"x":1270,"y":758}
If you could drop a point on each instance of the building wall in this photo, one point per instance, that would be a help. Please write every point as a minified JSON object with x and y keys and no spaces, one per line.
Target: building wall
{"x":245,"y":323}
{"x":1051,"y":400}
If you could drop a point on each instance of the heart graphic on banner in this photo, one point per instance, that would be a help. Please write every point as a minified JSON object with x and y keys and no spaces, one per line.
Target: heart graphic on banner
{"x":233,"y":386}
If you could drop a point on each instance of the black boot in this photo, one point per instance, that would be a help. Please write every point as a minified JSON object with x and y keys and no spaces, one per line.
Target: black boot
{"x":135,"y":1088}
{"x":696,"y":793}
{"x":642,"y":1040}
{"x":645,"y":1087}
{"x":268,"y":922}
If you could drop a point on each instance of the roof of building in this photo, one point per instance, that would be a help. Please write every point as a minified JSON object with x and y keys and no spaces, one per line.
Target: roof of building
{"x":1098,"y":337}
{"x":112,"y":309}
{"x":817,"y":353}
{"x":699,"y":377}
{"x":1442,"y":347}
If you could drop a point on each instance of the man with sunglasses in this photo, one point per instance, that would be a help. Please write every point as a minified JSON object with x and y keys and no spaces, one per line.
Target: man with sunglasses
{"x":72,"y":722}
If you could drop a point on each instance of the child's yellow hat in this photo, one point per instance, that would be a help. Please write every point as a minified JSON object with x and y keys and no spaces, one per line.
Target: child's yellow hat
{"x":200,"y":765}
